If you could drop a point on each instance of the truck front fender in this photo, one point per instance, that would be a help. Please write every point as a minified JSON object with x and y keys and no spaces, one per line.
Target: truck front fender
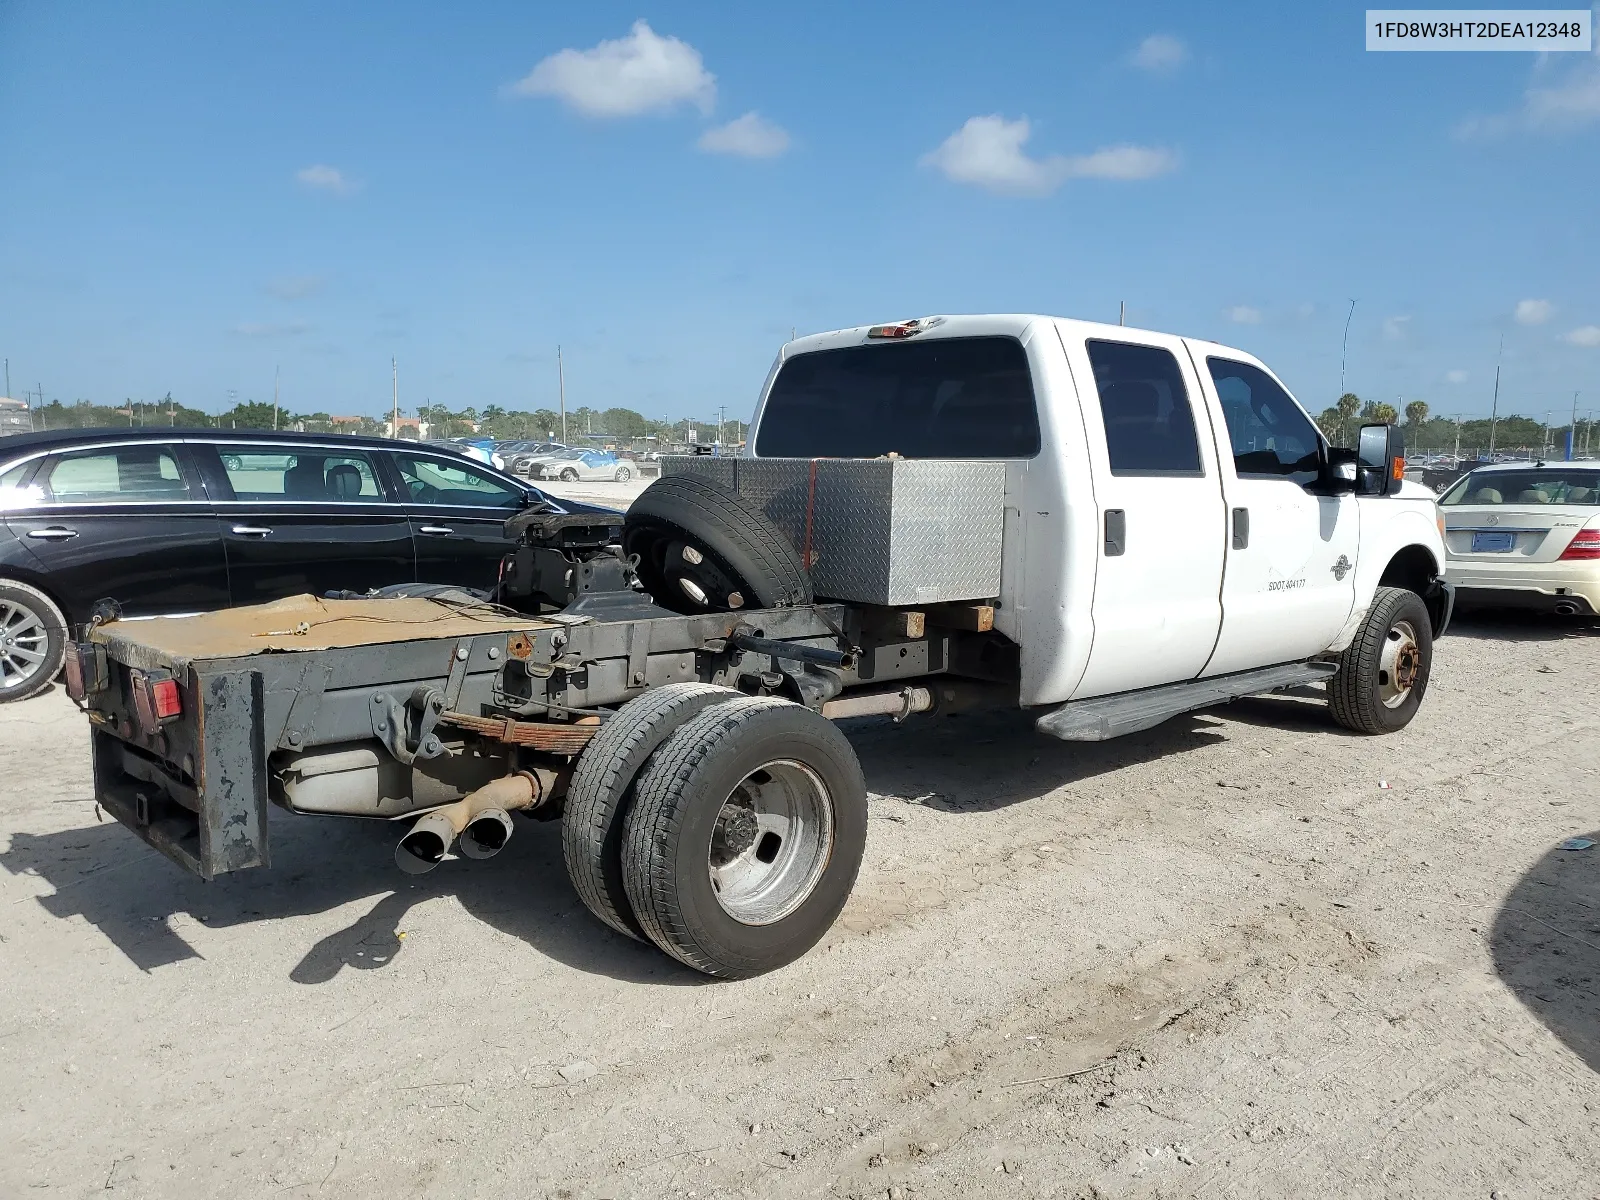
{"x":1401,"y":546}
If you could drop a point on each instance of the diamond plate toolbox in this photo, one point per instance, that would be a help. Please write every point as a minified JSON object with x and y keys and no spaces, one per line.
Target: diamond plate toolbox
{"x":880,"y":531}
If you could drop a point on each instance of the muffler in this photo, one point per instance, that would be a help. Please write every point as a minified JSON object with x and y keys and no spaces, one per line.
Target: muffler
{"x":1566,"y":609}
{"x":481,"y":820}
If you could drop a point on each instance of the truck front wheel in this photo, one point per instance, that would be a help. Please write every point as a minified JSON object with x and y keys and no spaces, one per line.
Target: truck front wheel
{"x":745,"y":836}
{"x":1383,"y":673}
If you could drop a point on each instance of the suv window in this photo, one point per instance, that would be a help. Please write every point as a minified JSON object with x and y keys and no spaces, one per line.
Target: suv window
{"x":120,"y":473}
{"x":945,"y":398}
{"x":1270,"y":435}
{"x":300,"y":473}
{"x":434,"y":481}
{"x":1149,"y":424}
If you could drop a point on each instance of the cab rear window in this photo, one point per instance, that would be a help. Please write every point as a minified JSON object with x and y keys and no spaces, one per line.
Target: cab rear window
{"x":944,"y":398}
{"x":1551,"y":485}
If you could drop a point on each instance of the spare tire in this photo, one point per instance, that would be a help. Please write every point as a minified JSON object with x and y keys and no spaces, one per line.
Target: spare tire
{"x":701,"y":548}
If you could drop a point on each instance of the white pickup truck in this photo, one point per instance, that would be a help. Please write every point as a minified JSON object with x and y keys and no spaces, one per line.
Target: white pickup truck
{"x":1102,"y":525}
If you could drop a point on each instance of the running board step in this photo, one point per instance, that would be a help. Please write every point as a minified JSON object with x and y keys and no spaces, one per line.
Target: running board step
{"x":1104,"y":717}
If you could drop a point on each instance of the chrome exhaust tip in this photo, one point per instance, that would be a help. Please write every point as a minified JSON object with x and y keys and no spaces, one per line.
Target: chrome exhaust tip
{"x":1566,"y":609}
{"x":486,"y":834}
{"x":424,"y":847}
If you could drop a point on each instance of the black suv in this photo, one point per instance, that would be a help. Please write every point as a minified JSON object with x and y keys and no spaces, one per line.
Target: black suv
{"x":171,"y":520}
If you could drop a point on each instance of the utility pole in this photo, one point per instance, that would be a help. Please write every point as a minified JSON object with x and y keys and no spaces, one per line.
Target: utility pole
{"x":1494,"y":411}
{"x":274,"y":399}
{"x":1457,"y":453}
{"x":1122,"y":312}
{"x":394,"y":372}
{"x":172,"y":415}
{"x":1344,"y":347}
{"x":1572,"y":430}
{"x":561,"y":390}
{"x":8,"y":375}
{"x":722,"y":419}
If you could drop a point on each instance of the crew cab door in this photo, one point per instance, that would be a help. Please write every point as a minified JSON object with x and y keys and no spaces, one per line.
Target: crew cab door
{"x":1154,"y":470}
{"x":306,"y":518}
{"x":129,"y":522}
{"x":458,"y":510}
{"x":1290,"y":578}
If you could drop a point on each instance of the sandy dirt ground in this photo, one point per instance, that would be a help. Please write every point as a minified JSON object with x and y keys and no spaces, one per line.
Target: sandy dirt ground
{"x":608,"y":494}
{"x":1241,"y":955}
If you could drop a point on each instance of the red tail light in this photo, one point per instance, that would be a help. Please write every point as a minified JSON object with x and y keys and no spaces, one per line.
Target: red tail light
{"x":168,"y":703}
{"x":155,"y":700}
{"x":1585,"y":546}
{"x":74,"y":665}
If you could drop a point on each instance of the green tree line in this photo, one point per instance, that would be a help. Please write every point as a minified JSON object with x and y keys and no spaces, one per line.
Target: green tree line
{"x":1426,"y":432}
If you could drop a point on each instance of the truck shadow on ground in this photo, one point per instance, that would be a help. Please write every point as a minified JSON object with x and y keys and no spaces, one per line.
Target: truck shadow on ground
{"x":1546,"y":945}
{"x":102,"y":875}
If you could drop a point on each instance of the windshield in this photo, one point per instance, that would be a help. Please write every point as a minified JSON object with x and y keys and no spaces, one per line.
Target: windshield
{"x":1548,"y":485}
{"x":946,"y":398}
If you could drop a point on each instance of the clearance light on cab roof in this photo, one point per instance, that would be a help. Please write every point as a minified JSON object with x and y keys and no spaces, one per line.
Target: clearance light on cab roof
{"x":904,"y":329}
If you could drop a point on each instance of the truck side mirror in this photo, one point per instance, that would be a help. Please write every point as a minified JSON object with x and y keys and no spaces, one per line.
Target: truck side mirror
{"x":1380,"y":460}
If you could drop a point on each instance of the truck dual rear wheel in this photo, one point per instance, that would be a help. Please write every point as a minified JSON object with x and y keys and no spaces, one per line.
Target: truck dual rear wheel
{"x":1383,"y":673}
{"x":745,"y":836}
{"x":601,"y":792}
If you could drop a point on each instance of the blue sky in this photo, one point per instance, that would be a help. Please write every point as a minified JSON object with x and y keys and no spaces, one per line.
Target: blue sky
{"x":193,"y":195}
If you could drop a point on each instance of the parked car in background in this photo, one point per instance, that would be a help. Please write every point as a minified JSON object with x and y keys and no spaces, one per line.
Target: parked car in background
{"x":1526,"y":537}
{"x":573,"y":465}
{"x":519,"y":461}
{"x":165,"y":521}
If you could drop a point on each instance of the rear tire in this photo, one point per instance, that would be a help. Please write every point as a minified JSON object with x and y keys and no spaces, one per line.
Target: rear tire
{"x":745,"y":836}
{"x":1383,"y":673}
{"x":601,"y":793}
{"x":569,"y":476}
{"x":33,"y":641}
{"x":703,"y":549}
{"x":623,"y":474}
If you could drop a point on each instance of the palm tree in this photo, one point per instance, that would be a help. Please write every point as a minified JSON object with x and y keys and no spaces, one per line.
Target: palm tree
{"x":1349,"y":404}
{"x":1416,"y":417}
{"x":1384,"y":413}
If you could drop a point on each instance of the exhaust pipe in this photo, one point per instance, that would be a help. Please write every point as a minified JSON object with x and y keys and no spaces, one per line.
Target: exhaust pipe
{"x":481,"y":819}
{"x":1566,"y":609}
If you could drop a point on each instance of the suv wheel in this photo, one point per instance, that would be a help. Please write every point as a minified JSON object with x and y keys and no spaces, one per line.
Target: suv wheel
{"x":33,"y":641}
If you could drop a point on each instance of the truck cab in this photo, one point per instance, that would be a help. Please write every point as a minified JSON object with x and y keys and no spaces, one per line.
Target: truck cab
{"x":1171,"y":511}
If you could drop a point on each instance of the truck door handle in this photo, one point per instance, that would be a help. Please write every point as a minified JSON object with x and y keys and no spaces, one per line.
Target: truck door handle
{"x":1116,"y":532}
{"x":55,"y":533}
{"x":1241,"y":528}
{"x":251,"y":530}
{"x":439,"y":530}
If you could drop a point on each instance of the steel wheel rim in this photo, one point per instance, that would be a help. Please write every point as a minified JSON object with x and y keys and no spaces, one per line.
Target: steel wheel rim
{"x":1399,"y":665}
{"x":771,"y":843}
{"x":24,"y":645}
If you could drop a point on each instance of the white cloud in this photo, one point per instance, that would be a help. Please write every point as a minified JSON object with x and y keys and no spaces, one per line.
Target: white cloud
{"x":1395,"y":328}
{"x":1563,"y":94}
{"x":1456,"y":376}
{"x":295,"y":287}
{"x":988,"y":153}
{"x":1243,"y":314}
{"x":270,"y":329}
{"x":1123,"y":162}
{"x":1534,"y":312}
{"x":1160,"y":53}
{"x":750,"y":136}
{"x":1585,"y":335}
{"x":640,"y":73}
{"x":324,"y":178}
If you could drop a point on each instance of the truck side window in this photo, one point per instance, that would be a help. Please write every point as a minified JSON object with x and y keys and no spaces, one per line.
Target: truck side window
{"x":1271,"y":437}
{"x":1149,"y":424}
